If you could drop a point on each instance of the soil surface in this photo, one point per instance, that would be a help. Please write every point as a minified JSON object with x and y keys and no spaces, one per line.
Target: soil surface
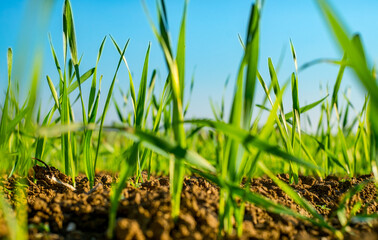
{"x":57,"y":211}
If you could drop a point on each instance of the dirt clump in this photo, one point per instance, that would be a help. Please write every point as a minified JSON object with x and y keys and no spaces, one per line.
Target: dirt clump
{"x":56,"y":210}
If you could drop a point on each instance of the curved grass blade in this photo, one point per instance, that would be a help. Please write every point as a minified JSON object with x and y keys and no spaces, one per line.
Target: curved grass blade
{"x":165,"y":147}
{"x":249,"y":140}
{"x":53,"y":92}
{"x":94,"y":79}
{"x":306,"y":108}
{"x":57,"y":65}
{"x":338,"y":82}
{"x":83,"y":78}
{"x":297,"y":198}
{"x":107,"y":104}
{"x":141,"y":101}
{"x":132,"y":89}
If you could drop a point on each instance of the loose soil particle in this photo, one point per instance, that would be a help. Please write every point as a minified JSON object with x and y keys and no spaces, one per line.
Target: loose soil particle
{"x":57,"y":212}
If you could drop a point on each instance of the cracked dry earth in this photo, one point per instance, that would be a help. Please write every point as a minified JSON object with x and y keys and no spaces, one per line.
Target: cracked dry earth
{"x":55,"y":211}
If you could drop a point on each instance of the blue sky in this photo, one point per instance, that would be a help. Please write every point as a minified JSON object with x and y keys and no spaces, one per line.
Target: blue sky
{"x":213,"y":48}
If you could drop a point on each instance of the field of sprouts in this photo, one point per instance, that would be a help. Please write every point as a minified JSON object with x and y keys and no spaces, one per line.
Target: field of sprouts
{"x":156,"y":173}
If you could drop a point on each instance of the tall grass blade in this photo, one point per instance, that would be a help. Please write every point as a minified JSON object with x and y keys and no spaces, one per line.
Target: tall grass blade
{"x":177,"y":168}
{"x":107,"y":104}
{"x":338,"y":82}
{"x":141,"y":101}
{"x":252,"y":53}
{"x":181,"y":46}
{"x":92,"y":92}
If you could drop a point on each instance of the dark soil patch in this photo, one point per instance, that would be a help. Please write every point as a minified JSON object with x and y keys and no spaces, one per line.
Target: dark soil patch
{"x":57,"y":212}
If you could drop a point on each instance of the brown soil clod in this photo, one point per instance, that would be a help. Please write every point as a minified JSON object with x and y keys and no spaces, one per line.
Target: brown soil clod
{"x":57,"y":211}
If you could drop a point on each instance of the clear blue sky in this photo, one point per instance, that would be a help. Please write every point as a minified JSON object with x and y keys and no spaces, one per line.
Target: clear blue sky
{"x":212,"y":46}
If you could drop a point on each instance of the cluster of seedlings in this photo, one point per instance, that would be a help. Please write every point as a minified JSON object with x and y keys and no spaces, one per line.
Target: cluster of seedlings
{"x":158,"y":174}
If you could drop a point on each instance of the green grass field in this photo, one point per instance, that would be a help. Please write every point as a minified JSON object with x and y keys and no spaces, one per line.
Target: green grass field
{"x":157,"y":137}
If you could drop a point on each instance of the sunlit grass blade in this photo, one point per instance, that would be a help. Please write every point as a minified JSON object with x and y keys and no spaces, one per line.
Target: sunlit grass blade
{"x":294,"y":94}
{"x":319,"y":61}
{"x":252,"y":55}
{"x":338,"y":82}
{"x":83,"y":78}
{"x":141,"y":101}
{"x":132,"y":89}
{"x":69,"y":34}
{"x":274,"y":79}
{"x":177,"y":168}
{"x":93,"y":113}
{"x":181,"y":46}
{"x":94,"y":79}
{"x":87,"y":152}
{"x":106,"y":106}
{"x":274,"y":118}
{"x":66,"y":138}
{"x":276,"y":89}
{"x":4,"y":110}
{"x":294,"y":54}
{"x":306,"y":107}
{"x":53,"y":92}
{"x":56,"y":61}
{"x":344,"y":150}
{"x":69,"y":29}
{"x":150,"y":90}
{"x":165,"y":98}
{"x":296,"y":116}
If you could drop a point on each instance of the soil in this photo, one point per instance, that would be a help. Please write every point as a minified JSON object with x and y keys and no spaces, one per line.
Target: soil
{"x":56,"y":211}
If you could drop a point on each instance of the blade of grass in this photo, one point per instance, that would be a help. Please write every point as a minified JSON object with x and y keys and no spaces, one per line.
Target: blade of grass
{"x":249,"y":140}
{"x":338,"y":82}
{"x":94,"y":79}
{"x":107,"y":104}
